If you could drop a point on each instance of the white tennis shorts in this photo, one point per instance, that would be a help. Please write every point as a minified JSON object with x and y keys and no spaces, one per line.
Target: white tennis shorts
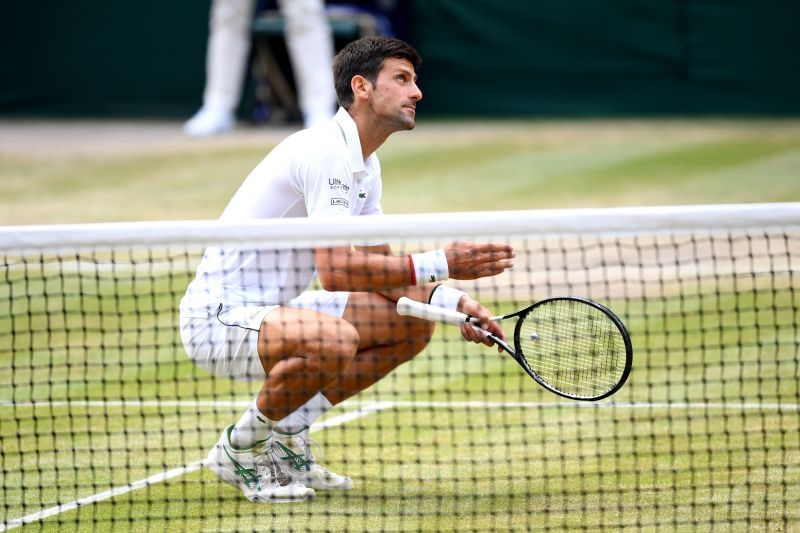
{"x":225,"y":344}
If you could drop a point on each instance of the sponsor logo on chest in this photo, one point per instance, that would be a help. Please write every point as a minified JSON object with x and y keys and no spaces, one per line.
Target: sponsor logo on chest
{"x":338,"y":185}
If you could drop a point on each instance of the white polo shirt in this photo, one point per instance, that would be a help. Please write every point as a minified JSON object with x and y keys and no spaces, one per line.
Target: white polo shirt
{"x":315,"y":172}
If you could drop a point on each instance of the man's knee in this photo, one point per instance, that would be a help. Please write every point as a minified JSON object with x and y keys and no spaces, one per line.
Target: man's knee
{"x":379,"y":325}
{"x":418,"y":335}
{"x":338,"y":349}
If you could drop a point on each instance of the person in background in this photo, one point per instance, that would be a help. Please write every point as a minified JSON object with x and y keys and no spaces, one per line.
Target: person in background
{"x":310,"y":45}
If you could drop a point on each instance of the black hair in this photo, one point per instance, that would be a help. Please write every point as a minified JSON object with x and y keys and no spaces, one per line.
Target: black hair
{"x":365,"y":57}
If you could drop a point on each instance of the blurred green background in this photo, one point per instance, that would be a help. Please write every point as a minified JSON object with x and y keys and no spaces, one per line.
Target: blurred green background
{"x":440,"y":166}
{"x":481,"y":57}
{"x":527,"y":105}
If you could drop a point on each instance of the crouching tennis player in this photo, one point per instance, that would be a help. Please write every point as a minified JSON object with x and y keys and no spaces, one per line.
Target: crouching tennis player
{"x":249,"y":315}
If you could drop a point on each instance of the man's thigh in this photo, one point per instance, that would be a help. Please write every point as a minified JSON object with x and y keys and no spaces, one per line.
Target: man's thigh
{"x":378,"y":324}
{"x":309,"y":326}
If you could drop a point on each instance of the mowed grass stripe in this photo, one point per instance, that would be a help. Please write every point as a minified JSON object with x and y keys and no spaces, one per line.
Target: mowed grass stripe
{"x":438,"y":167}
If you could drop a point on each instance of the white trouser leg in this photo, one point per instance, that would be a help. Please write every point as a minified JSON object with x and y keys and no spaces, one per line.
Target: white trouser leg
{"x":228,"y":50}
{"x":310,"y":45}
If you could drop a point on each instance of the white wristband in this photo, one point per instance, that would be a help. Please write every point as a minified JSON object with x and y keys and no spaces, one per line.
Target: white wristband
{"x":430,"y":266}
{"x":446,"y":297}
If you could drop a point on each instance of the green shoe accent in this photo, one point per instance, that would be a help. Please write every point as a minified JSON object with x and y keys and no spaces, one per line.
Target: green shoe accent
{"x":297,"y":461}
{"x":285,"y":434}
{"x":229,"y":430}
{"x":249,"y":475}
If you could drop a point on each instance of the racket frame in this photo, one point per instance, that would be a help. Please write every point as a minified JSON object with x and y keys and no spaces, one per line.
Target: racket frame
{"x":407,"y":307}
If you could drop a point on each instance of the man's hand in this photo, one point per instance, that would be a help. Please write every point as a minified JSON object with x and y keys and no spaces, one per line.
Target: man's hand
{"x":472,"y":333}
{"x":466,"y":260}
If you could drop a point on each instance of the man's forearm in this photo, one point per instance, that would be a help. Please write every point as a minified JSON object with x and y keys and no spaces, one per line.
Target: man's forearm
{"x":346,"y":269}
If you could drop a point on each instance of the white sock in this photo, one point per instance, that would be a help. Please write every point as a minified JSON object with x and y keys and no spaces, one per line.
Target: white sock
{"x":253,"y":428}
{"x":304,"y":416}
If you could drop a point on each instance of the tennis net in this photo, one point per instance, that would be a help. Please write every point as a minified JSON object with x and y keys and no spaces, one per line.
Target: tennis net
{"x":105,"y":421}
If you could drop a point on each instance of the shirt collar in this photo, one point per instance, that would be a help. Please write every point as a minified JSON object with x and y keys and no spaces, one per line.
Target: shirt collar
{"x":350,"y":131}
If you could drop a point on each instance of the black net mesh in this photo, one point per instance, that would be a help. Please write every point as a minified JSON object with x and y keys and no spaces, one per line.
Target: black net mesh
{"x":106,"y":422}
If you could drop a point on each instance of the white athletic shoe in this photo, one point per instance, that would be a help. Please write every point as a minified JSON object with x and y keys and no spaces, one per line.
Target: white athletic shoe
{"x":294,"y":452}
{"x":209,"y":121}
{"x":256,"y":472}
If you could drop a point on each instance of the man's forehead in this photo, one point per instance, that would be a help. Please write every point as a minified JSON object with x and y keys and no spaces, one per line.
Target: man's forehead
{"x":398,"y":63}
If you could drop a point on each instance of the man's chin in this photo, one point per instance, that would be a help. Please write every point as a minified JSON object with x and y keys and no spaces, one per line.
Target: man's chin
{"x":403,"y":125}
{"x":403,"y":121}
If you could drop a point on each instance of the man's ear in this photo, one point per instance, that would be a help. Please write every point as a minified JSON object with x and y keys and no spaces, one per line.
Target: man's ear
{"x":360,"y":86}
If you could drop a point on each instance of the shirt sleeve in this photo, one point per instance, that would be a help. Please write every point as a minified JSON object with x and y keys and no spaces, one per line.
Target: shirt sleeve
{"x":326,"y":185}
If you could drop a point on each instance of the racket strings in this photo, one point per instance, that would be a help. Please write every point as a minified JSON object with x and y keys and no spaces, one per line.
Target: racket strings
{"x":573,"y":347}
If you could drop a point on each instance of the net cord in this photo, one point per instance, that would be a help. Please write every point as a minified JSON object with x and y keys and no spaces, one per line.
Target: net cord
{"x":305,"y":232}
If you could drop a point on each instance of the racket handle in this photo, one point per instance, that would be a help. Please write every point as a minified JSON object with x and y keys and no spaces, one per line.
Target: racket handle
{"x":408,"y":307}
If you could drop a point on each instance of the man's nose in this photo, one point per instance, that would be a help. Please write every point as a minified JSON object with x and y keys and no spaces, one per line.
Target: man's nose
{"x":416,"y":93}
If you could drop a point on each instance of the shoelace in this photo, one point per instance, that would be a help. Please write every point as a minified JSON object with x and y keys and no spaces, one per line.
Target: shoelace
{"x":305,"y":447}
{"x":267,"y":460}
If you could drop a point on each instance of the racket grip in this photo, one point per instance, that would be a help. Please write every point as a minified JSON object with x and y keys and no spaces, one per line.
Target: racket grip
{"x":408,"y":307}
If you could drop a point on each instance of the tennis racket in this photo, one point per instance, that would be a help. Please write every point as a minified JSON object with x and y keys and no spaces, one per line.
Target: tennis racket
{"x":571,"y":346}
